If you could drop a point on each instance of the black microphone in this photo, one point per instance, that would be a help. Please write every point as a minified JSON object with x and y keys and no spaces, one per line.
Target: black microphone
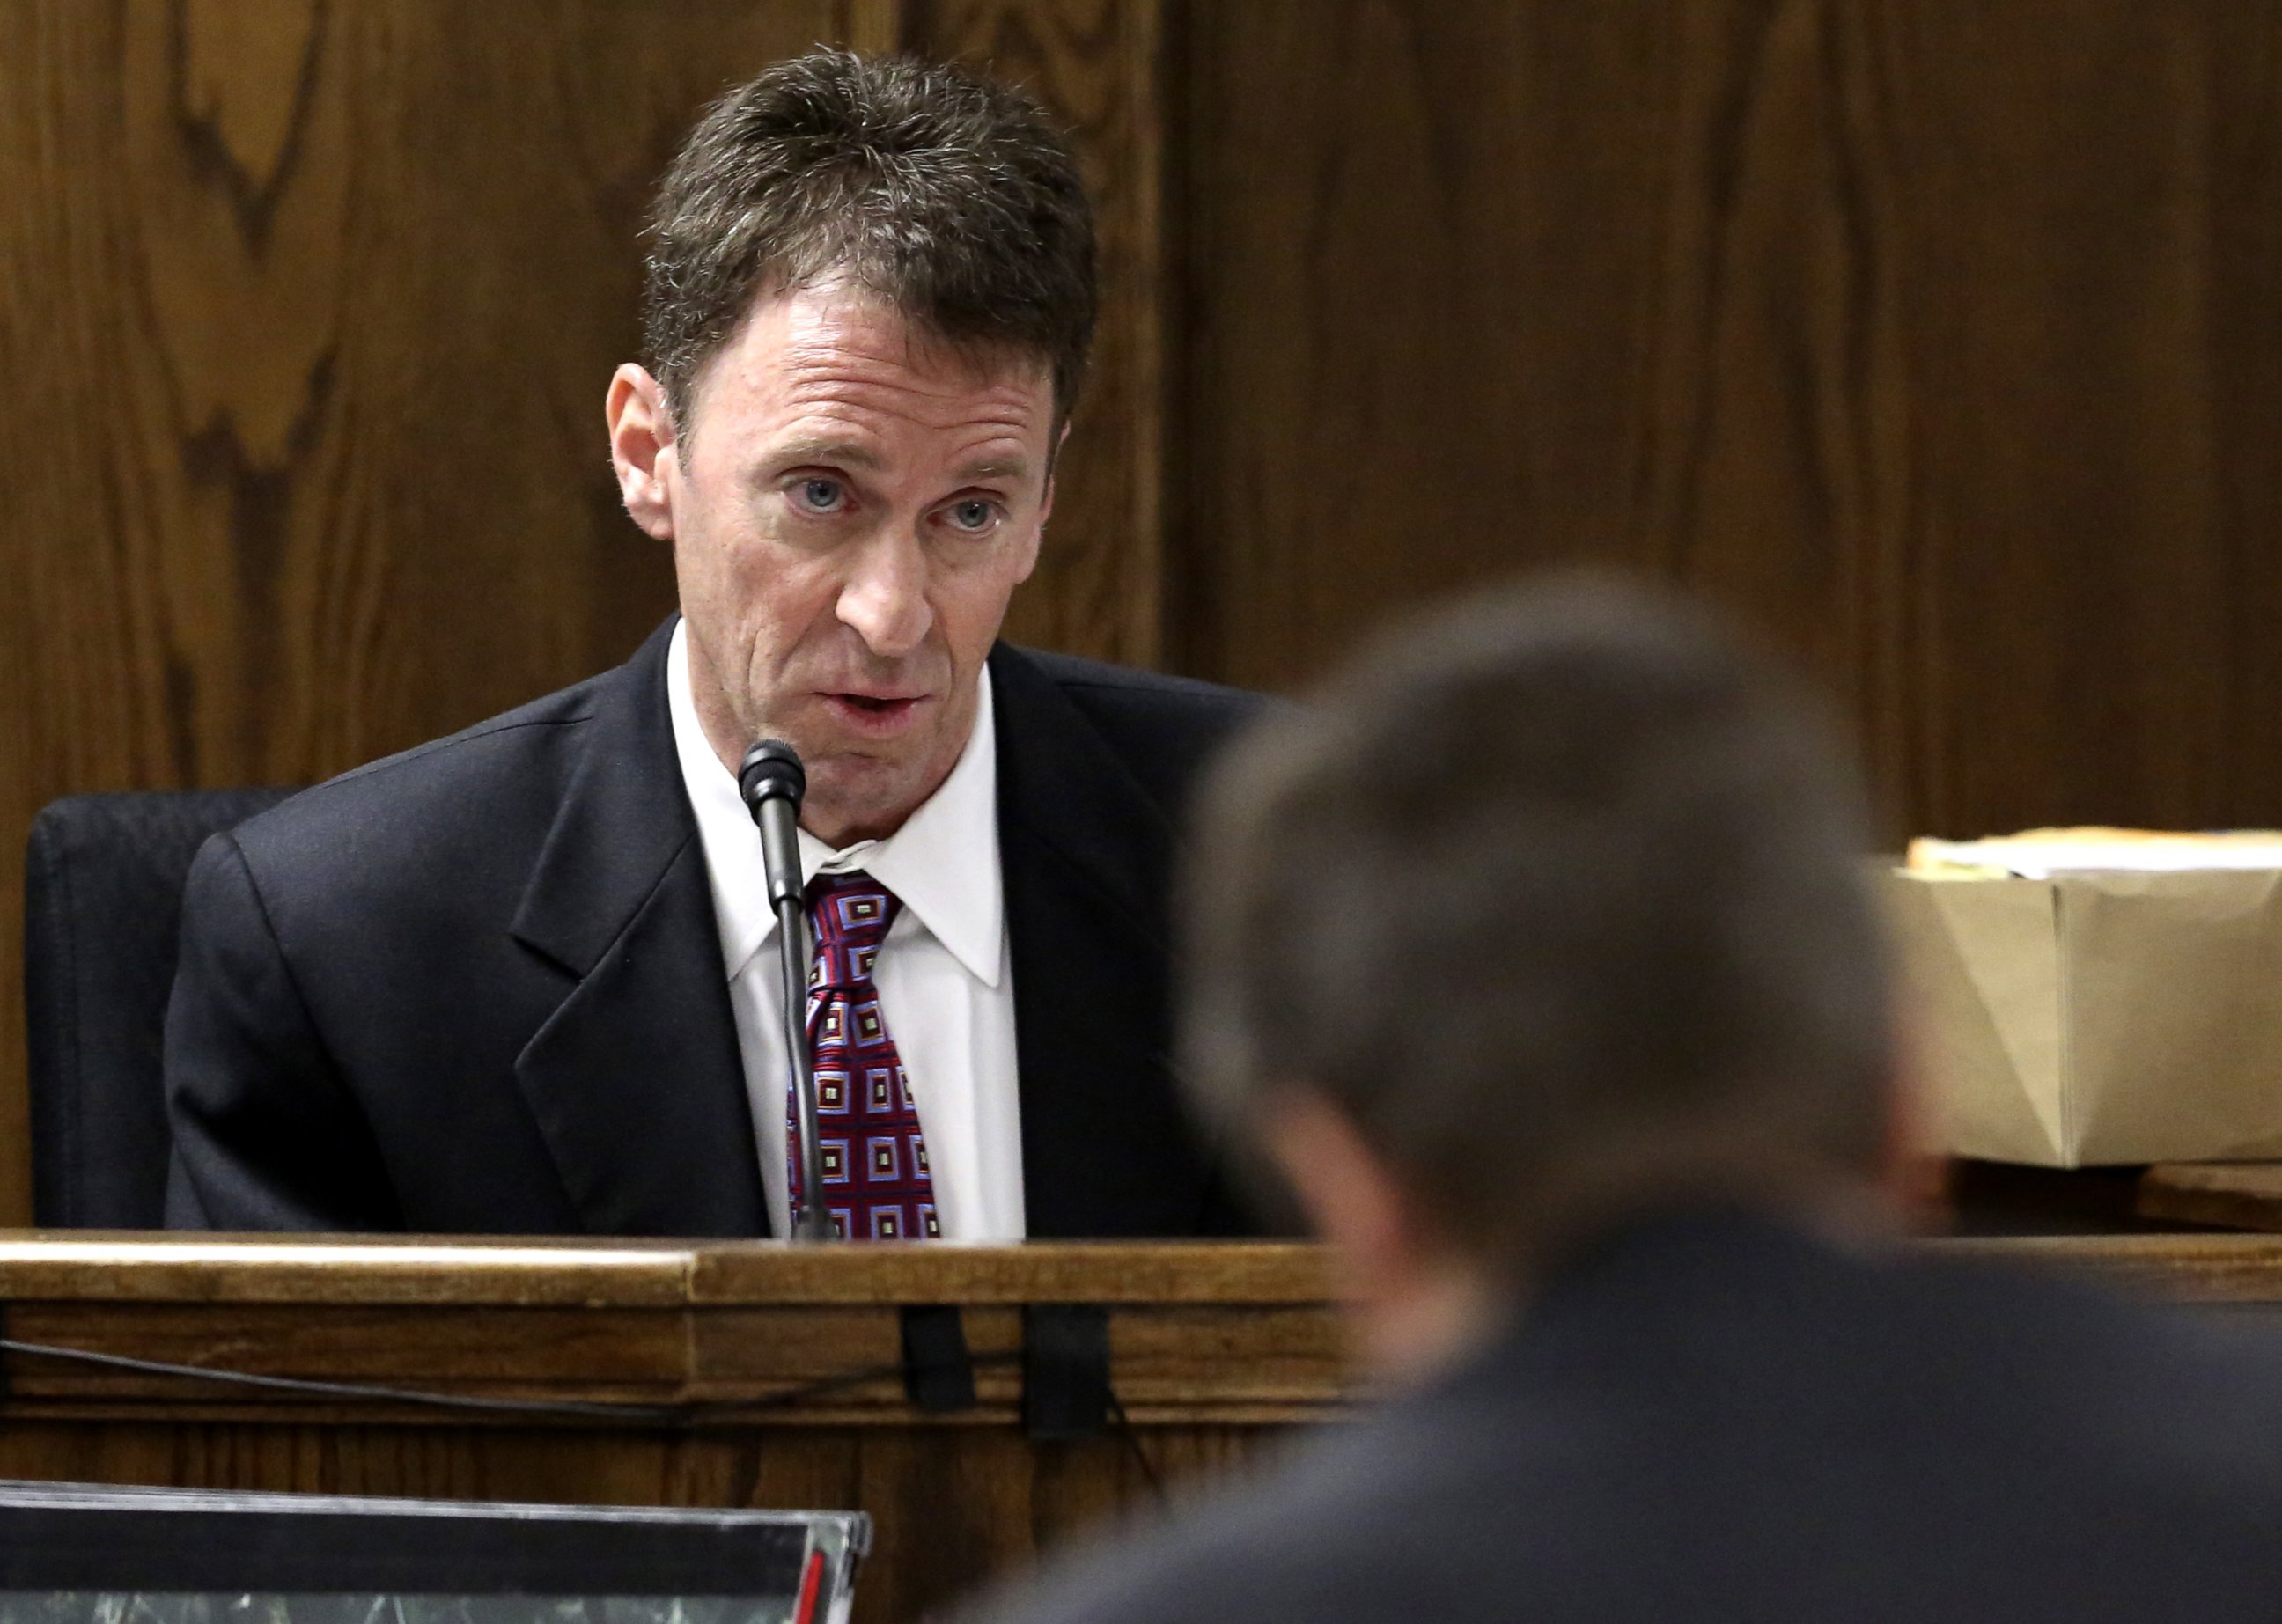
{"x":772,"y":781}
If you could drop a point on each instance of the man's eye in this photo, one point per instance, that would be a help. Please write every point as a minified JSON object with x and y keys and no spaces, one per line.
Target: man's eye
{"x":974,"y":514}
{"x":820,"y":495}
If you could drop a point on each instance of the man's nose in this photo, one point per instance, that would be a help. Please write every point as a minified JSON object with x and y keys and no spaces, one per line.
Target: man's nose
{"x":885,"y":597}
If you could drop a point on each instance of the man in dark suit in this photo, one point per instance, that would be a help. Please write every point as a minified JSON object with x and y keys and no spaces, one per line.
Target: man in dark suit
{"x":523,"y":980}
{"x":1537,"y":958}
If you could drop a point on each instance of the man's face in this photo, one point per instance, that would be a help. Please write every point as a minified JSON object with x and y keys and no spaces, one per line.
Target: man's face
{"x":852,"y":510}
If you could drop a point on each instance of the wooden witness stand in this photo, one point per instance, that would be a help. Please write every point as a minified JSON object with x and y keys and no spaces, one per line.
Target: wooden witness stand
{"x":740,"y":1375}
{"x":734,"y":1374}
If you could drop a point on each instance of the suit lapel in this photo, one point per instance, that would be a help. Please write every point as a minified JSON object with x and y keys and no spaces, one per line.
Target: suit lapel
{"x":1086,"y":856}
{"x":635,"y":1080}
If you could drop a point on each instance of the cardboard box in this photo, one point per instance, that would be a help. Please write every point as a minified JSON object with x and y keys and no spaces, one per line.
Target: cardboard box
{"x":2099,"y":1018}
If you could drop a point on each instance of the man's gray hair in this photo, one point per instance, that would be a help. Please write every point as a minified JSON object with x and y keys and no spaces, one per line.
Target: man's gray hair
{"x":1559,"y":897}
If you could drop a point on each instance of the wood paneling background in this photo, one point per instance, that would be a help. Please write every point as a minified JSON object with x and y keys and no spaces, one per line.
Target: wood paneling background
{"x":1942,"y":341}
{"x":1100,"y":64}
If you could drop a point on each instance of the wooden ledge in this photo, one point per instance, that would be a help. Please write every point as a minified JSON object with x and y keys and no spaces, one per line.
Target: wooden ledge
{"x":86,"y":1265}
{"x":1107,"y":1272}
{"x":710,"y":1277}
{"x":758,"y":1333}
{"x":2233,"y":1194}
{"x":464,"y":1272}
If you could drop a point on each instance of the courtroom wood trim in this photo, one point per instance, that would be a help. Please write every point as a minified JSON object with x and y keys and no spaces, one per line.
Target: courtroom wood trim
{"x":753,"y":1334}
{"x":724,"y":1335}
{"x":1214,"y":1346}
{"x":2229,"y":1194}
{"x":1036,"y":1272}
{"x":438,"y":1269}
{"x":375,"y":1269}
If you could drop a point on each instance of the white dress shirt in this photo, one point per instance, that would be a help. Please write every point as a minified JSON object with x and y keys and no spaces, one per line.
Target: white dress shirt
{"x":946,"y":986}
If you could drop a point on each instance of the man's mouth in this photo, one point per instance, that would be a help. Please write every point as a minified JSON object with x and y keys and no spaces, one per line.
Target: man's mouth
{"x":877,"y":715}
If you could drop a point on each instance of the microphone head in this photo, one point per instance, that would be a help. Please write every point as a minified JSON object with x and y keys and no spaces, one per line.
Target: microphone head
{"x":772,"y":771}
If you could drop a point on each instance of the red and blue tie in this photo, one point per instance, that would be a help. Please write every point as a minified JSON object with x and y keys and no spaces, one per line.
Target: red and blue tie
{"x":877,"y":1185}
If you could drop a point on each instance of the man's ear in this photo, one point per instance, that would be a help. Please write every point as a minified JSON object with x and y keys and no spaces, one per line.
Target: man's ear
{"x":1351,"y":1198}
{"x":1413,"y":1300}
{"x":1914,"y":1171}
{"x":643,"y":451}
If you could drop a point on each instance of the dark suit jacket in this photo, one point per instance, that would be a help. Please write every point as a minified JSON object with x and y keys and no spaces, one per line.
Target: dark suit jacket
{"x":1720,"y":1419}
{"x":477,"y":988}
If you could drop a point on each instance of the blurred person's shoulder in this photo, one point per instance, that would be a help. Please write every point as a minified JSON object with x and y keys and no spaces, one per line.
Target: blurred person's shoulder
{"x":1350,"y":1528}
{"x":2150,"y":1391}
{"x":1729,"y":1420}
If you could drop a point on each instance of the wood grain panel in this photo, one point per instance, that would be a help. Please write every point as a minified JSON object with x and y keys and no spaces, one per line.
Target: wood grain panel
{"x":1098,"y":64}
{"x":1036,"y":1272}
{"x":317,"y":304}
{"x":556,"y":1271}
{"x":959,"y":1499}
{"x":2228,"y":1195}
{"x":1393,"y":207}
{"x":1210,"y":1374}
{"x":1937,"y":340}
{"x":1232,"y":1332}
{"x":156,"y":1267}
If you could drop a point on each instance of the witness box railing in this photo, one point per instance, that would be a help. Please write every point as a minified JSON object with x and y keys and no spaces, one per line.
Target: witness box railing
{"x":981,"y":1402}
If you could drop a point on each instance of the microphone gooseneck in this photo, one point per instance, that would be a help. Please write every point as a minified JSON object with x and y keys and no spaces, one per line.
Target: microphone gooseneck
{"x":773,"y":782}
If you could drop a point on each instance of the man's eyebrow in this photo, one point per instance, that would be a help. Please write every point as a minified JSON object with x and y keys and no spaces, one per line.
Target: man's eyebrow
{"x":830,"y":452}
{"x":1012,"y":469}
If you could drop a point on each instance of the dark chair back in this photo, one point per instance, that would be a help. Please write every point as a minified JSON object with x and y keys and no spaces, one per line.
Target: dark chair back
{"x":103,"y":910}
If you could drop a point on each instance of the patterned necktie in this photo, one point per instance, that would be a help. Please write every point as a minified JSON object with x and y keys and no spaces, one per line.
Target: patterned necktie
{"x":877,"y":1185}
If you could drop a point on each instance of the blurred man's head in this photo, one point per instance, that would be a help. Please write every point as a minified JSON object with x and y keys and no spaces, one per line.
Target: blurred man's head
{"x":1546,"y":915}
{"x":868,"y":303}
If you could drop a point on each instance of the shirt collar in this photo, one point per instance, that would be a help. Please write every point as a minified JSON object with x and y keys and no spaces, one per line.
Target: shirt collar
{"x":943,"y":863}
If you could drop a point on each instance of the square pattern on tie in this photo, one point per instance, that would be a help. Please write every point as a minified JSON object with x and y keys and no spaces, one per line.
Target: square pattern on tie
{"x":875,"y":1158}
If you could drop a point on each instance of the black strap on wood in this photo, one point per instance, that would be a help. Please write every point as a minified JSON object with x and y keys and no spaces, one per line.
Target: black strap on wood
{"x":938,"y":1370}
{"x":1065,"y":1371}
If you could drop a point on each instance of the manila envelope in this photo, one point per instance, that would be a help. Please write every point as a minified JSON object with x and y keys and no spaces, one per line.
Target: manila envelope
{"x":2098,"y":1018}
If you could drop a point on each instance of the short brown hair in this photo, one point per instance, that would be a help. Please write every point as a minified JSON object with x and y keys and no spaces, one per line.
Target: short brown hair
{"x":950,"y":197}
{"x":1558,"y":896}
